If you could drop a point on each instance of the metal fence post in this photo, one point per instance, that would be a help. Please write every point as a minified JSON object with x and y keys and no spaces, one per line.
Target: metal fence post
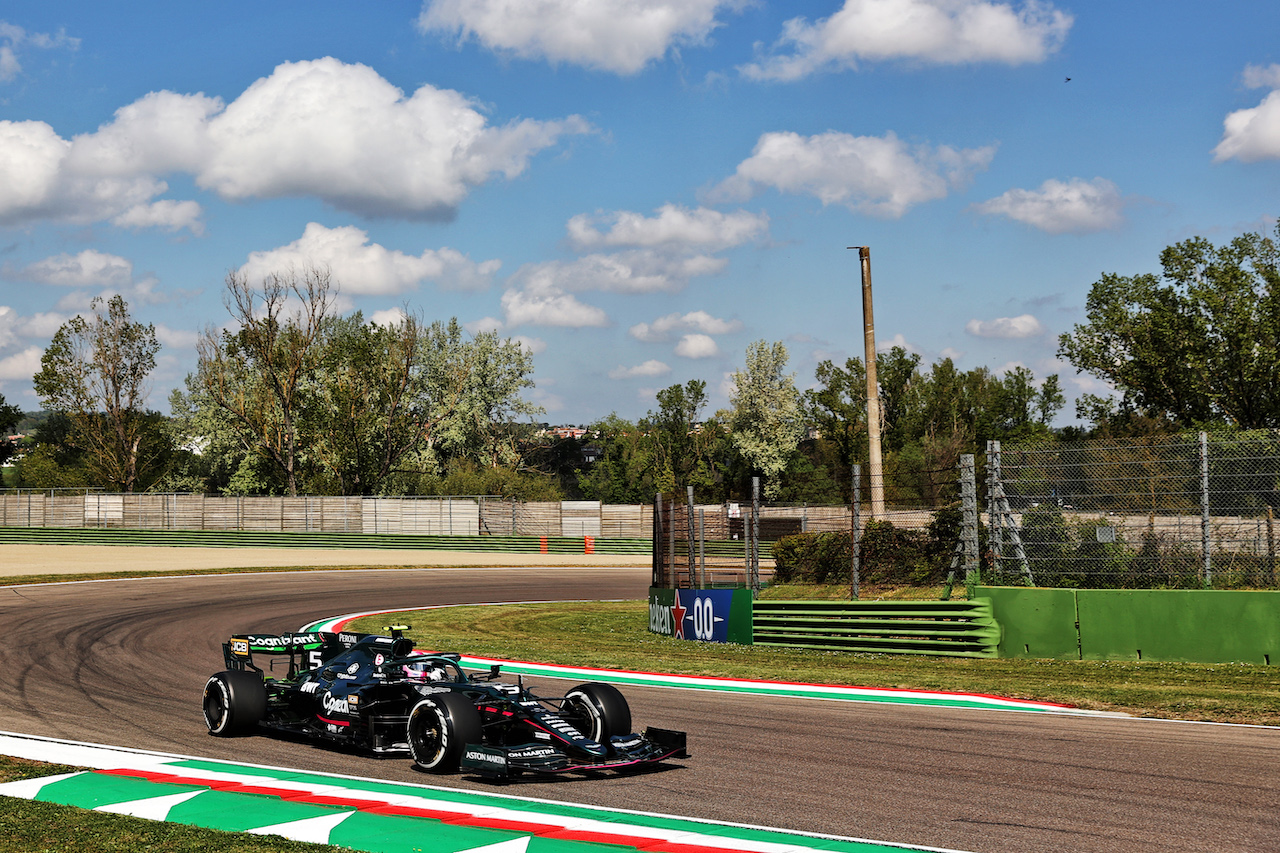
{"x":995,"y":517}
{"x":702,"y":548}
{"x":755,"y":537}
{"x":1206,"y":532}
{"x":689,"y":514}
{"x":856,"y":534}
{"x":969,"y":528}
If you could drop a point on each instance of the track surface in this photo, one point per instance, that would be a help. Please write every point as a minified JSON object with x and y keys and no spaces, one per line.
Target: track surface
{"x":123,"y":663}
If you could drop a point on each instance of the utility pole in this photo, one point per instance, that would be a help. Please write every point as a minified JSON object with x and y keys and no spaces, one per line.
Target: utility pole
{"x":875,"y":466}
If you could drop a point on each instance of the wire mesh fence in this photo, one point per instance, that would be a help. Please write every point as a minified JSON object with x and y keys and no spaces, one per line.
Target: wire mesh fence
{"x":1184,"y":511}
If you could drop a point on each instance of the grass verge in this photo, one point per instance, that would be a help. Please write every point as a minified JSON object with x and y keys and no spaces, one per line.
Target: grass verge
{"x":615,"y":635}
{"x":26,"y":825}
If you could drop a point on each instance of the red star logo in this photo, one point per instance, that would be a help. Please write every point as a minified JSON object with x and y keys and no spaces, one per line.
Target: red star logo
{"x":677,"y":617}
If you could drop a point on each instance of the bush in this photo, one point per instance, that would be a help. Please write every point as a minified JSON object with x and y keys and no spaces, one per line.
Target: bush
{"x":812,"y":558}
{"x":890,"y":555}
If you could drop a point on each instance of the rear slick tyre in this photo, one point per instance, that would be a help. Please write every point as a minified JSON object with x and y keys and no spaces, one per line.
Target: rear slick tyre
{"x":234,"y":702}
{"x":439,"y":729}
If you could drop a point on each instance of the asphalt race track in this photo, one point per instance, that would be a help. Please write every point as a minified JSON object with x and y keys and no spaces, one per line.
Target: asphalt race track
{"x":123,"y":663}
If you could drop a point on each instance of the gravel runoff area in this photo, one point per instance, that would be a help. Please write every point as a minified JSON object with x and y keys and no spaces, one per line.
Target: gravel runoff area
{"x":22,"y":560}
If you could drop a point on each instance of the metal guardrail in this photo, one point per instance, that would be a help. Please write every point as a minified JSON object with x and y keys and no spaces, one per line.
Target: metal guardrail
{"x":256,"y":539}
{"x":957,"y":628}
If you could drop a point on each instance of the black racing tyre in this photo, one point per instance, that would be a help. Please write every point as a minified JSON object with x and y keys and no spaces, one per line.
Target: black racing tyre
{"x":234,"y":702}
{"x":440,"y":727}
{"x":597,"y":710}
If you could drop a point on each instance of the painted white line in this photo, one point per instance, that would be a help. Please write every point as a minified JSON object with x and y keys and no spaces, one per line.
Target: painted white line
{"x":152,"y":808}
{"x":972,"y":701}
{"x":483,"y":804}
{"x":314,"y":830}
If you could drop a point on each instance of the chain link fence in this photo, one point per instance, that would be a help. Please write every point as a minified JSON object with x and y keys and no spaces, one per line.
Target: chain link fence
{"x":1187,"y":511}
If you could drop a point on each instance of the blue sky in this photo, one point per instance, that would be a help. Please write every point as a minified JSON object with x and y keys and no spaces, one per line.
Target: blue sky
{"x":636,"y":190}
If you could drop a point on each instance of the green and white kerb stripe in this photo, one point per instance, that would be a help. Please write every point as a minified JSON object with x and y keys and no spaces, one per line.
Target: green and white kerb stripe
{"x":372,"y":815}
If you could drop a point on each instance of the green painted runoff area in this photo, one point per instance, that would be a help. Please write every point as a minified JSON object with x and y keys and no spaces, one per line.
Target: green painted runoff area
{"x":1189,"y":626}
{"x":370,"y":828}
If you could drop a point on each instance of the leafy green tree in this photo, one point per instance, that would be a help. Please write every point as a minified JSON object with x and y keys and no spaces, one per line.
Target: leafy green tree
{"x":296,"y":397}
{"x":1198,"y":343}
{"x":765,"y":420}
{"x":480,"y":383}
{"x":9,"y":417}
{"x":382,"y":395}
{"x":682,"y":445}
{"x":255,"y":379}
{"x":96,"y":371}
{"x":623,"y":472}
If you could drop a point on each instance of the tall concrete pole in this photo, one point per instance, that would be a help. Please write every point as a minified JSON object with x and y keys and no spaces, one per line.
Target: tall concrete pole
{"x":875,"y":465}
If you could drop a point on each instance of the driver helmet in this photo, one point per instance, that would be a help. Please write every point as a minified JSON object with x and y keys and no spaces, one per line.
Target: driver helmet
{"x":424,"y":671}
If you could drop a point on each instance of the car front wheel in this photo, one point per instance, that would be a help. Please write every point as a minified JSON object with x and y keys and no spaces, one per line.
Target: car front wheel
{"x":597,"y":710}
{"x":440,"y":727}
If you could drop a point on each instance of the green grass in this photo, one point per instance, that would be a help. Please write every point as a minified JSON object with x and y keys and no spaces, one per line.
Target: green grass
{"x":615,"y":635}
{"x":27,"y":826}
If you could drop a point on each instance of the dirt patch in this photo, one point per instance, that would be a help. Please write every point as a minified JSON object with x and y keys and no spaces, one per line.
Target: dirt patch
{"x":24,"y":560}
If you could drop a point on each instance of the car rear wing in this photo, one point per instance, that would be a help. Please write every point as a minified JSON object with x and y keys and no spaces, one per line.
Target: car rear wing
{"x":305,"y":650}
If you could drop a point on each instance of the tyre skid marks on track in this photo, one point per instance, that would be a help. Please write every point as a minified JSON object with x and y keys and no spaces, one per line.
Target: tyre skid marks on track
{"x":334,"y":809}
{"x":793,"y":690}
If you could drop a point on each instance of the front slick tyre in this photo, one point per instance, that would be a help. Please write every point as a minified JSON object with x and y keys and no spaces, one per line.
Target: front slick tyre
{"x":597,"y":710}
{"x":440,"y":727}
{"x":234,"y":702}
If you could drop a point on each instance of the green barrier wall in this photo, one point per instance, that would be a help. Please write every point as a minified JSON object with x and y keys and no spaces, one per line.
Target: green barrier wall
{"x":1206,"y":626}
{"x":1034,"y":623}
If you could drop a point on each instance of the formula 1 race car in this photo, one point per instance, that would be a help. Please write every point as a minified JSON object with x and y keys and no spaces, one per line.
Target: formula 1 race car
{"x":373,"y":692}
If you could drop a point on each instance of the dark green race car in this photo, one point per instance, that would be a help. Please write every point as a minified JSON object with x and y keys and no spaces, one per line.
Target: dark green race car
{"x":374,"y":693}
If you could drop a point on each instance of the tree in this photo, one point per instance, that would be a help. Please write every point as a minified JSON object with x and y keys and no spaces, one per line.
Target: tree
{"x":682,"y":446}
{"x":487,"y":376}
{"x":9,"y":417}
{"x":380,"y":392}
{"x":1198,"y":343}
{"x":95,"y":371}
{"x":623,"y":472}
{"x":257,"y":377}
{"x":764,"y":422}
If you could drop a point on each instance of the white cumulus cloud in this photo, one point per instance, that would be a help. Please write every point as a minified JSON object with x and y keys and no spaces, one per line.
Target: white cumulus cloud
{"x":652,"y":367}
{"x":84,"y":269}
{"x":672,"y":226}
{"x":21,"y":365}
{"x":1253,"y":134}
{"x":14,"y":38}
{"x":663,"y":328}
{"x":936,"y":32}
{"x":632,"y":271}
{"x":320,"y":128}
{"x":620,"y":36}
{"x":172,"y":338}
{"x":543,"y":303}
{"x":697,"y":346}
{"x":1022,"y":326}
{"x":167,"y":214}
{"x":878,"y":175}
{"x":1076,"y":206}
{"x":361,"y":267}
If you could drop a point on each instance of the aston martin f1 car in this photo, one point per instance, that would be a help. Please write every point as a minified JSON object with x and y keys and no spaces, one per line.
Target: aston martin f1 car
{"x":374,"y":693}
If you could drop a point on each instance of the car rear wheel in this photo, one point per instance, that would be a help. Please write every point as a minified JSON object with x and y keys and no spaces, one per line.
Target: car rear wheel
{"x":440,"y":727}
{"x":234,"y":702}
{"x":597,"y":710}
